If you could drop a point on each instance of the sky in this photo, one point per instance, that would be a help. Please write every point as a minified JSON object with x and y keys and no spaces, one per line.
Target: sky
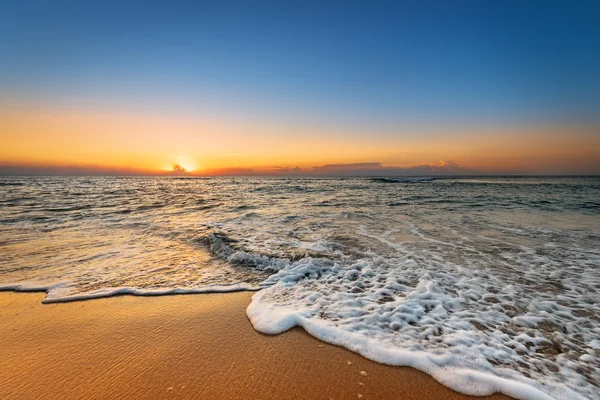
{"x":300,"y":87}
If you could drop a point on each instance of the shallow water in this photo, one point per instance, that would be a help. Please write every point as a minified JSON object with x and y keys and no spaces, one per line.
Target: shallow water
{"x":485,"y":283}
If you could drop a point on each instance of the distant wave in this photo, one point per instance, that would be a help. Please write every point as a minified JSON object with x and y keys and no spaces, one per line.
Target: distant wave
{"x":404,"y":179}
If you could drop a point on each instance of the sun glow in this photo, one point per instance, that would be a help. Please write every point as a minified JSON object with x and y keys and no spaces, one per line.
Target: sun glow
{"x":136,"y":143}
{"x":182,"y":164}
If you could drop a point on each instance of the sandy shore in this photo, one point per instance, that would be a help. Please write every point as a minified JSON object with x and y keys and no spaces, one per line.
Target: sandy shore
{"x":193,"y":346}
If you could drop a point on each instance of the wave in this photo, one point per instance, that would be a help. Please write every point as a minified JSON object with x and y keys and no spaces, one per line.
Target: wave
{"x":403,"y":180}
{"x":56,"y":293}
{"x":8,"y":183}
{"x":220,"y":245}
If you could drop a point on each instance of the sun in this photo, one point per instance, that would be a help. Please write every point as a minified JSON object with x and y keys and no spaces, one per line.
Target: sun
{"x":181,"y":164}
{"x":180,"y":167}
{"x":185,"y":164}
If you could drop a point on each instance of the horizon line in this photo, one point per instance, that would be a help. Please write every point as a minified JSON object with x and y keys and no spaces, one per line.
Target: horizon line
{"x":443,"y":168}
{"x":199,"y":176}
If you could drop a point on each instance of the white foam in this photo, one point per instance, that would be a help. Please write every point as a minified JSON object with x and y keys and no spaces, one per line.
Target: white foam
{"x":63,"y":292}
{"x":437,"y":324}
{"x":273,"y":320}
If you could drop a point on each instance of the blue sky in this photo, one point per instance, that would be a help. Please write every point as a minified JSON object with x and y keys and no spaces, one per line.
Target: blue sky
{"x":353,"y":63}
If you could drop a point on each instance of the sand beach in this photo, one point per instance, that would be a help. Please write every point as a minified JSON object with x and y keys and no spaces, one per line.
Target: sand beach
{"x":185,"y":347}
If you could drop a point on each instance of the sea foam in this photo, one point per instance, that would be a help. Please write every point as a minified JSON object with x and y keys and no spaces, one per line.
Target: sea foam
{"x":63,"y":293}
{"x":271,"y":320}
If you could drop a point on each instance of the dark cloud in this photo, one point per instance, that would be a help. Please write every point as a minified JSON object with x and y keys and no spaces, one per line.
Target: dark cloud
{"x":69,"y":170}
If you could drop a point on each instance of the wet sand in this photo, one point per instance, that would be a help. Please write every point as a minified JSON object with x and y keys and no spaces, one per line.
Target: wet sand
{"x":192,"y":346}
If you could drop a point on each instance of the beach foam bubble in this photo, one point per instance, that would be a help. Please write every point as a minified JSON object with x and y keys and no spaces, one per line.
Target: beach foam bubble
{"x":447,"y":334}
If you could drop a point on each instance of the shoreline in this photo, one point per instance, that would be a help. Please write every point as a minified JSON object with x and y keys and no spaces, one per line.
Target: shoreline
{"x":173,"y":346}
{"x":125,"y":291}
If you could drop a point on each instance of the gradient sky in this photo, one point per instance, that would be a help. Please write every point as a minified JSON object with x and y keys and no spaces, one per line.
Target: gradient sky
{"x":503,"y":87}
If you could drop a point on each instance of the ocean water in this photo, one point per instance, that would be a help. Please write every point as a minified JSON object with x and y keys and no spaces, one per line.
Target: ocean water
{"x":484,"y":283}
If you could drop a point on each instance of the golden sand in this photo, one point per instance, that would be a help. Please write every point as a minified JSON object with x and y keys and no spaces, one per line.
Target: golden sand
{"x":193,"y":347}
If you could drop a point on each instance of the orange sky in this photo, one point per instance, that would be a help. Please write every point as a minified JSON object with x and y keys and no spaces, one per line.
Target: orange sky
{"x":150,"y":142}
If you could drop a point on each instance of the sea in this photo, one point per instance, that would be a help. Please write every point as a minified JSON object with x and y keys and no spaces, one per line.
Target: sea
{"x":485,"y":283}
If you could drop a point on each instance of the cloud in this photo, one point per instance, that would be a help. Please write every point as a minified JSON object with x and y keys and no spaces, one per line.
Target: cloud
{"x":443,"y":167}
{"x":343,"y":168}
{"x":354,"y":169}
{"x":70,"y":170}
{"x":178,"y":168}
{"x":374,"y":169}
{"x":234,"y":171}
